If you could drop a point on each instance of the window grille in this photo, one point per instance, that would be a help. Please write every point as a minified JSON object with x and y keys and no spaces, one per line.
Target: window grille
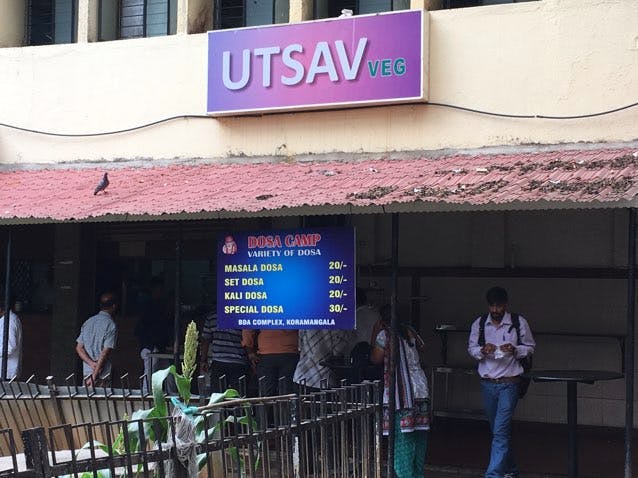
{"x":247,"y":13}
{"x":333,"y":8}
{"x":477,"y":3}
{"x":144,"y":18}
{"x":121,"y":19}
{"x":51,"y":21}
{"x":230,"y":13}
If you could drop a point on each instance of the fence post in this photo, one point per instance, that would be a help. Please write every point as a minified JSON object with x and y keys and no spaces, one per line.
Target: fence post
{"x":295,"y":419}
{"x":178,"y":468}
{"x":378,"y":425}
{"x":35,"y":452}
{"x":57,"y":406}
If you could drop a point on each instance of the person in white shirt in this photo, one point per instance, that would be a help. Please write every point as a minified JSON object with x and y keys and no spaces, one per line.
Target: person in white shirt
{"x":498,"y":340}
{"x":368,"y":320}
{"x":14,"y":345}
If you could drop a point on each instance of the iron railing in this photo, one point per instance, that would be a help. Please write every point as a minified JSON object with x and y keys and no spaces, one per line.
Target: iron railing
{"x":326,"y":433}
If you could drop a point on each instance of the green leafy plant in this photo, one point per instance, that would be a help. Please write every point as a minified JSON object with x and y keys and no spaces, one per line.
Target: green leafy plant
{"x":190,"y":351}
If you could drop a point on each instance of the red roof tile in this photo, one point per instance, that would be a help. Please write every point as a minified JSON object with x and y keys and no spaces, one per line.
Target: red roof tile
{"x":581,"y":177}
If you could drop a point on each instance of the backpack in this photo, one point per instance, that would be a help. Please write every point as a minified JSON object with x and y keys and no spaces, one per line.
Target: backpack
{"x":526,"y":362}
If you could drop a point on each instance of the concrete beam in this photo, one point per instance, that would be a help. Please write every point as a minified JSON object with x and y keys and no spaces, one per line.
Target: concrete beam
{"x":87,"y":18}
{"x":74,"y":283}
{"x":426,"y":4}
{"x":12,"y":23}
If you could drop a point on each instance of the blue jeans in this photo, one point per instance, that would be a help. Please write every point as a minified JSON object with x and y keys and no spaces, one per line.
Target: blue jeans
{"x":499,"y":400}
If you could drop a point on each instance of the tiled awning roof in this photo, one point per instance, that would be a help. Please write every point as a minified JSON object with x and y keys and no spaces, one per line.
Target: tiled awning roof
{"x":545,"y":179}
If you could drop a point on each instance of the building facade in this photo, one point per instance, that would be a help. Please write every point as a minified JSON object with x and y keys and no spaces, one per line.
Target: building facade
{"x":518,"y":169}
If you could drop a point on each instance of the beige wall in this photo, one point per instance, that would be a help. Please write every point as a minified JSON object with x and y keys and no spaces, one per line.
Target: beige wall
{"x":552,"y":57}
{"x":12,"y":23}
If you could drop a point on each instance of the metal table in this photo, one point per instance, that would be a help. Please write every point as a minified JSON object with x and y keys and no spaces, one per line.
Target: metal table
{"x":167,"y":357}
{"x":572,"y":378}
{"x":352,"y":373}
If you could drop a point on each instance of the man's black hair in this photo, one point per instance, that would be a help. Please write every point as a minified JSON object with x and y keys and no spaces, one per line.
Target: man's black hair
{"x":497,"y":296}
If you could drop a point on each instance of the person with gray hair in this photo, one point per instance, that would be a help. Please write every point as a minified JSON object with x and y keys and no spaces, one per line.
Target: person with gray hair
{"x":96,"y":341}
{"x":14,"y":344}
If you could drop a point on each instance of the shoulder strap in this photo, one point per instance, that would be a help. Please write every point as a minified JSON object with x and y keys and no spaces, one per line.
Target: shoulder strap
{"x":482,"y":320}
{"x":516,"y":324}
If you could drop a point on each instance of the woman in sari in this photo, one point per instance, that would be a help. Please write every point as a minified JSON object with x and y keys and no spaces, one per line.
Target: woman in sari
{"x":412,"y":420}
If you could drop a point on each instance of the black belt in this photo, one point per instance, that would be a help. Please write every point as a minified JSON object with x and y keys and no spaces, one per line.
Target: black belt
{"x":502,"y":379}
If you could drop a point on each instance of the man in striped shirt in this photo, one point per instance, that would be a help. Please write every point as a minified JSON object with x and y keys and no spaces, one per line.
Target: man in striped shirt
{"x":222,"y":348}
{"x":317,"y":346}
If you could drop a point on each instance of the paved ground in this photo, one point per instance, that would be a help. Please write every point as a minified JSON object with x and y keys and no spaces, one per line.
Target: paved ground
{"x":540,"y":449}
{"x":432,"y":471}
{"x":457,"y":472}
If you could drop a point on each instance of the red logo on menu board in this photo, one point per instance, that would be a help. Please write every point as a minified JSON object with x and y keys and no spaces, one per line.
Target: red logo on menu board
{"x":230,"y":246}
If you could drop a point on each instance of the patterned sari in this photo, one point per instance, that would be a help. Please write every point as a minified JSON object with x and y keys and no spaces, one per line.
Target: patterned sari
{"x":412,"y":396}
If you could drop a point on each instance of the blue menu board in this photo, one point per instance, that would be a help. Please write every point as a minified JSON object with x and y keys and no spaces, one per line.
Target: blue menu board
{"x":286,"y":279}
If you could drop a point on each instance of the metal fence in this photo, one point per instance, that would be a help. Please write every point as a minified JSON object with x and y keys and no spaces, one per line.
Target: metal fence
{"x":327,"y":433}
{"x":25,"y":405}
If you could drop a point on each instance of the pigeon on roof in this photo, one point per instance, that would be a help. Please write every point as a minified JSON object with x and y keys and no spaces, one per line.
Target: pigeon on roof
{"x":102,"y":185}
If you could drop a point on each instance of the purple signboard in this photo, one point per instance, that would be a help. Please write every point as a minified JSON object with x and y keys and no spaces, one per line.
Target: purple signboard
{"x":359,"y":60}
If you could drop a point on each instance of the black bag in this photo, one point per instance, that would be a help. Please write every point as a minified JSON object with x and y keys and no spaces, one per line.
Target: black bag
{"x":526,"y":362}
